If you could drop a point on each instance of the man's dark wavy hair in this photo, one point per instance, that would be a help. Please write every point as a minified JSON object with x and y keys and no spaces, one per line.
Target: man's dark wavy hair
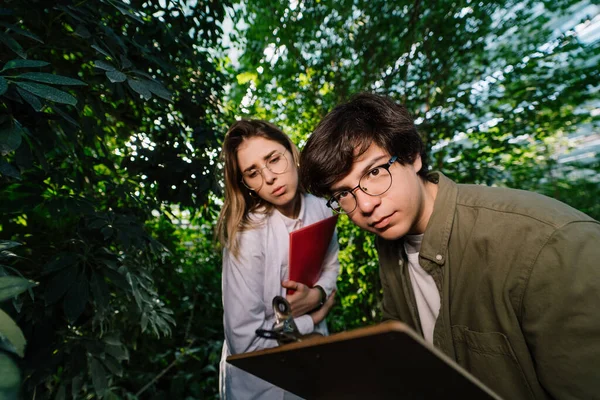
{"x":348,"y":130}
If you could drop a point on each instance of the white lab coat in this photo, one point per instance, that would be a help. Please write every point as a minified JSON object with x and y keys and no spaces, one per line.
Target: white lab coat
{"x":250,"y":283}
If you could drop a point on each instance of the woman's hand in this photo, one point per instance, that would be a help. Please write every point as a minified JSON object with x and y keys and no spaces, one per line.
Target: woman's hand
{"x":304,"y":299}
{"x":322,"y":312}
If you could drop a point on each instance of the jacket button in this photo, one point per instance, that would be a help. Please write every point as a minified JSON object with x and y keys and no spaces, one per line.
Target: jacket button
{"x":439,"y":257}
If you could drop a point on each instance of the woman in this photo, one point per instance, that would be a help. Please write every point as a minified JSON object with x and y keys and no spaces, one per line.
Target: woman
{"x":263,"y":204}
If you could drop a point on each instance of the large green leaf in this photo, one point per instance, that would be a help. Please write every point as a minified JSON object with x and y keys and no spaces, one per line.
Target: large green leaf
{"x":7,"y":169}
{"x":8,"y":244}
{"x":141,"y":87}
{"x":11,"y":336}
{"x":10,"y":138}
{"x":59,"y":284}
{"x":76,"y":298}
{"x":159,"y":90}
{"x":50,"y":78}
{"x":13,"y":64}
{"x":98,"y":376}
{"x":22,"y":32}
{"x":116,"y":76}
{"x":30,"y":98}
{"x":3,"y":85}
{"x":48,"y":92}
{"x":12,"y":44}
{"x":99,"y":290}
{"x":10,"y":378}
{"x":10,"y":286}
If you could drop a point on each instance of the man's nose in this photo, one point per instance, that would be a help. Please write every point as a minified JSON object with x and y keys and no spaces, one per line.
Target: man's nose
{"x":366,"y":203}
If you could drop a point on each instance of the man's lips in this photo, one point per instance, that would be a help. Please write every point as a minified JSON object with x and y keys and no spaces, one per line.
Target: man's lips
{"x":382,"y":222}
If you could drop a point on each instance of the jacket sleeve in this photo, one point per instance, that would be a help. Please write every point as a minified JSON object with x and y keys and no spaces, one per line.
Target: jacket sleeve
{"x":243,"y":305}
{"x":388,"y":308}
{"x":560,"y":312}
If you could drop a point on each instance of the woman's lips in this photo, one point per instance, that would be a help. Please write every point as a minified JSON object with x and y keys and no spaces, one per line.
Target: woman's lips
{"x":279,"y":191}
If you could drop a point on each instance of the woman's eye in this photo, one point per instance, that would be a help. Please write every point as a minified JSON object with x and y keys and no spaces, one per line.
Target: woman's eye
{"x":275,"y":159}
{"x":252,"y":174}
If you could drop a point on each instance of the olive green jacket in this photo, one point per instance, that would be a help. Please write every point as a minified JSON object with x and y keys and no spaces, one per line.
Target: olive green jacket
{"x":519,"y":281}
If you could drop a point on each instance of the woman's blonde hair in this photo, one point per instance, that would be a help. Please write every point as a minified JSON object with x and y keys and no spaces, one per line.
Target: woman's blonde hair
{"x":234,"y":216}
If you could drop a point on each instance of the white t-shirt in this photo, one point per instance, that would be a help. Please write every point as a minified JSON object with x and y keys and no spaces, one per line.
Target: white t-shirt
{"x":426,"y":293}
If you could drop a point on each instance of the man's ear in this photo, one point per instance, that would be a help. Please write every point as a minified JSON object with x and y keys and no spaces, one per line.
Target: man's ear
{"x":417,"y":163}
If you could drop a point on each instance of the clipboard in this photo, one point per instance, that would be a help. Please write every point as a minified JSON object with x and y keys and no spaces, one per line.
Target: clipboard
{"x":308,"y":247}
{"x":385,"y":361}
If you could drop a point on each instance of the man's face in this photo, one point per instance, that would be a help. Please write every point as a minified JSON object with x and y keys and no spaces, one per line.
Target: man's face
{"x":405,"y":207}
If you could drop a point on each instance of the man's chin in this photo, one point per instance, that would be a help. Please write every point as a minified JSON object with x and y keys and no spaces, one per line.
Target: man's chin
{"x":389,"y":233}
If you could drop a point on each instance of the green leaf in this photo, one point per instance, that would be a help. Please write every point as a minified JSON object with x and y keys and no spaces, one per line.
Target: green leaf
{"x":140,"y":87}
{"x":119,"y":352}
{"x":66,"y":116}
{"x":11,"y":378}
{"x":12,"y":64}
{"x":22,"y":32}
{"x":61,"y":261}
{"x":104,"y":65}
{"x":100,"y":291}
{"x":30,"y":98}
{"x":10,"y":138}
{"x":12,"y":44}
{"x":98,"y":376}
{"x":11,"y":336}
{"x":59,"y":284}
{"x":76,"y":298}
{"x":116,"y":76}
{"x":8,"y":244}
{"x":100,"y":50}
{"x":3,"y":85}
{"x":10,"y":286}
{"x":50,"y":78}
{"x":7,"y":169}
{"x":113,"y":365}
{"x":77,"y":383}
{"x":82,"y":31}
{"x":48,"y":93}
{"x":159,"y":90}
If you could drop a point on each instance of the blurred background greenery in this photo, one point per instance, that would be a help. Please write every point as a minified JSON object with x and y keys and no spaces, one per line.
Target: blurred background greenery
{"x":111,"y":117}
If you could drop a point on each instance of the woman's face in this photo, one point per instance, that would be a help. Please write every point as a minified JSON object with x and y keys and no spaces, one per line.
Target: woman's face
{"x":269,"y":169}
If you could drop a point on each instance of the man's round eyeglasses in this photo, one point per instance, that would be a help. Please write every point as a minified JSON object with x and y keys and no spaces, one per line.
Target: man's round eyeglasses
{"x":253,"y":178}
{"x":375,"y":182}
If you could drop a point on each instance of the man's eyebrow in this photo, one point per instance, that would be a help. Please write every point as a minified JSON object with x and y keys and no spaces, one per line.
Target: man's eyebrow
{"x":375,"y":162}
{"x":253,"y":166}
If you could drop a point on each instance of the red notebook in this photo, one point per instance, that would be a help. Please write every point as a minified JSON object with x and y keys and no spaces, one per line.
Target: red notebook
{"x":308,"y":246}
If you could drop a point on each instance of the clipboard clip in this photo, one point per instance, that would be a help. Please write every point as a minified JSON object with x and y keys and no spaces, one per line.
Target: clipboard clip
{"x":284,"y":329}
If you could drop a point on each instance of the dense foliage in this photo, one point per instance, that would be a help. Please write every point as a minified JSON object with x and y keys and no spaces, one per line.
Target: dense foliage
{"x":108,"y":115}
{"x":111,"y":113}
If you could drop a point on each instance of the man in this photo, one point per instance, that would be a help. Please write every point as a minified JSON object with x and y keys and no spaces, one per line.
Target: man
{"x":505,"y":282}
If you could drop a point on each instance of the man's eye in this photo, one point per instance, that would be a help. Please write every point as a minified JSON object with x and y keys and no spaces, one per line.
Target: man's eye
{"x":341,"y":195}
{"x":374,"y":172}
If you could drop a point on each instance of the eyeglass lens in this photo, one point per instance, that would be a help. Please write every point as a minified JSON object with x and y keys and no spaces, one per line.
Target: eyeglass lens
{"x":277,"y":164}
{"x":374,"y":183}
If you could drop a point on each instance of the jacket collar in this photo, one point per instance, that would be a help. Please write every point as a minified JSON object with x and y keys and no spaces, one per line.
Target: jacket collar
{"x":437,"y":233}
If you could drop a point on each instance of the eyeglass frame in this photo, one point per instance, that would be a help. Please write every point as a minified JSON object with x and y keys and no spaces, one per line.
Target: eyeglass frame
{"x":385,"y":166}
{"x":260,"y":170}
